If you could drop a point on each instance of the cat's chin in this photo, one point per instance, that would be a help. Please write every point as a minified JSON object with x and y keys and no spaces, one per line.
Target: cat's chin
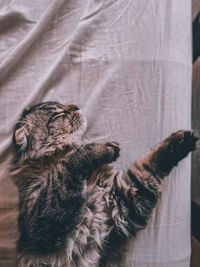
{"x":76,"y":136}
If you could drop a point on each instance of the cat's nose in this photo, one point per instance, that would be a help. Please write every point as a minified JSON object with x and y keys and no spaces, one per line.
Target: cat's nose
{"x":71,"y":108}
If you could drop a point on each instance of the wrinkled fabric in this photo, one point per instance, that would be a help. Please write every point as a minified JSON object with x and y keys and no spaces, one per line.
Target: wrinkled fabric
{"x":127,"y":64}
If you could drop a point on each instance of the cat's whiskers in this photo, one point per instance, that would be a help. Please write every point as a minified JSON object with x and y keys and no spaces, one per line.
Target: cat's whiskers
{"x":88,"y":138}
{"x":75,"y":138}
{"x":60,"y":100}
{"x":74,"y":148}
{"x":84,"y":154}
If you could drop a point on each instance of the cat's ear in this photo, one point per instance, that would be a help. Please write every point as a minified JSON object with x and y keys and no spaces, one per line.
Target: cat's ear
{"x":21,"y":136}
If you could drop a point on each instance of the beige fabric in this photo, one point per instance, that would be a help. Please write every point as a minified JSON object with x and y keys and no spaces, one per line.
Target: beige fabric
{"x":127,"y":63}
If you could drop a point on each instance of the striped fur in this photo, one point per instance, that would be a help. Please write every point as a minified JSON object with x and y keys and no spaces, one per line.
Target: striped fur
{"x":74,"y":209}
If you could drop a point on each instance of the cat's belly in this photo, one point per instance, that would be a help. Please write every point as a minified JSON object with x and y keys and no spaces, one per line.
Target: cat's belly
{"x":90,"y":234}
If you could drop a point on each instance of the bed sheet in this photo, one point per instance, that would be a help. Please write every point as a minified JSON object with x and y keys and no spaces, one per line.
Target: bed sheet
{"x":127,"y":64}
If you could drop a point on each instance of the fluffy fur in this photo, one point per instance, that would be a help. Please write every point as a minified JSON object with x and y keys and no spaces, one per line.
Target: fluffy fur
{"x":74,"y":209}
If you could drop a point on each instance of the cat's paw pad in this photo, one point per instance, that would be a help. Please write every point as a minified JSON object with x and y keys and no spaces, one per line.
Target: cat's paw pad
{"x":114,"y":149}
{"x":183,"y":142}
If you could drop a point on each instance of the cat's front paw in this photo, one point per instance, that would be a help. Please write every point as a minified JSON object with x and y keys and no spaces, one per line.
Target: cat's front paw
{"x":113,"y":149}
{"x":181,"y":143}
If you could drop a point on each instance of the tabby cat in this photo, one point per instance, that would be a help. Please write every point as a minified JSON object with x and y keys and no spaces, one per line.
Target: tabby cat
{"x":74,"y":209}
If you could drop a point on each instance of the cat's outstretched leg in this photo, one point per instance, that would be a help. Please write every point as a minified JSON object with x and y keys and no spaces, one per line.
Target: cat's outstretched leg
{"x":135,"y":193}
{"x":163,"y":157}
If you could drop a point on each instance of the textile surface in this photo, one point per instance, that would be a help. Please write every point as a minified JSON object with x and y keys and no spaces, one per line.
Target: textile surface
{"x":127,"y":64}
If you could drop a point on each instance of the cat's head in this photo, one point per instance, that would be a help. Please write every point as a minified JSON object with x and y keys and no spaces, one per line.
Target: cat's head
{"x":48,"y":126}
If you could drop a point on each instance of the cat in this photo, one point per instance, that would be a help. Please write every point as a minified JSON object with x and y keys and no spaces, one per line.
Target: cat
{"x":74,"y":208}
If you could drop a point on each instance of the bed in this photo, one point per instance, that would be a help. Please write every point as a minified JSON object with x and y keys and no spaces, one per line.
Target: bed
{"x":127,"y":64}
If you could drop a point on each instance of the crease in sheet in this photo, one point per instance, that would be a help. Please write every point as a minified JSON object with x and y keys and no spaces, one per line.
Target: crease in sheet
{"x":17,"y":53}
{"x":70,"y":49}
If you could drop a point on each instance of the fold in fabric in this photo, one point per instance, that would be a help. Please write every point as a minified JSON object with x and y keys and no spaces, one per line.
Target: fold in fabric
{"x":127,"y":64}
